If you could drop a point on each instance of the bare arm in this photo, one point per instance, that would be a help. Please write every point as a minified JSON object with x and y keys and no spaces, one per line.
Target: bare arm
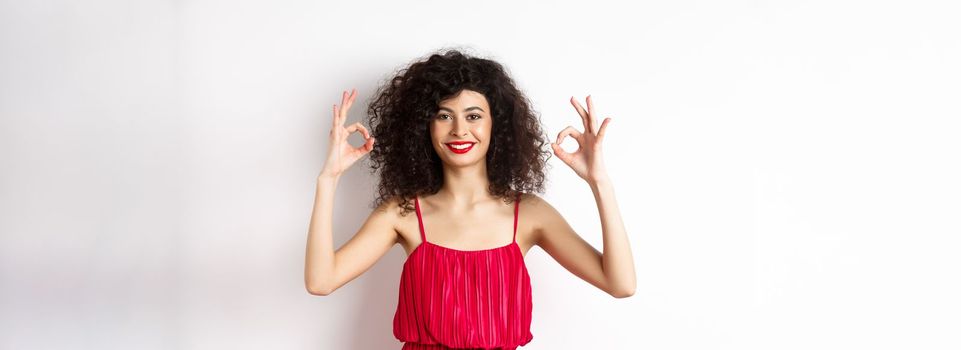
{"x":618,"y":261}
{"x":326,"y":270}
{"x":319,"y":267}
{"x":612,"y":271}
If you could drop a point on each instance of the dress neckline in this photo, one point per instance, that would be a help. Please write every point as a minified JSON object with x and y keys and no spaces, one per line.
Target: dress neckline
{"x":459,"y":251}
{"x":468,"y":251}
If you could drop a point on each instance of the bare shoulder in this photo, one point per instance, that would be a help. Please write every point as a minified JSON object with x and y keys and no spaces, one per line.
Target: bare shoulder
{"x":390,"y":211}
{"x":537,"y":206}
{"x":386,"y":216}
{"x":403,"y":222}
{"x":528,"y":197}
{"x":539,"y":214}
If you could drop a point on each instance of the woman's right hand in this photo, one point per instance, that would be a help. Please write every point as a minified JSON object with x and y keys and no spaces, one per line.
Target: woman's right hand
{"x":340,"y":154}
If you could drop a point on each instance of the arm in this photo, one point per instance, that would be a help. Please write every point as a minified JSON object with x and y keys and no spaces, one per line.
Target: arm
{"x":618,"y":260}
{"x":612,"y":271}
{"x":326,"y":270}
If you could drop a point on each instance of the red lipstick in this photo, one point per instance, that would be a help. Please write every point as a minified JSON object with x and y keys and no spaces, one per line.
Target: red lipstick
{"x":460,"y":147}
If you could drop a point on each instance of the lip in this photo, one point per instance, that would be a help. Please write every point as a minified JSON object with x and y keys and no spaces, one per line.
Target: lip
{"x":460,"y":151}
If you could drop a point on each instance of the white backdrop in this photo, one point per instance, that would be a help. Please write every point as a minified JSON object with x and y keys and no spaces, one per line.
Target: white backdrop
{"x":787,"y":170}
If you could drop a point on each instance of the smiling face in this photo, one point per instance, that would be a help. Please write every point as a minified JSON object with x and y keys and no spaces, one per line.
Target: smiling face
{"x":460,"y":130}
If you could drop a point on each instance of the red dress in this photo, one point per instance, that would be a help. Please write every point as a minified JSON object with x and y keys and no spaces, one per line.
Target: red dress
{"x":464,"y":299}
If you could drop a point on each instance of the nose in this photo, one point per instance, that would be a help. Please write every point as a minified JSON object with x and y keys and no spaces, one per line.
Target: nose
{"x":458,"y":129}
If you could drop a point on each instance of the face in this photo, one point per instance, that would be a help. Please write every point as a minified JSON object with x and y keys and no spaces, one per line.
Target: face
{"x":460,"y":129}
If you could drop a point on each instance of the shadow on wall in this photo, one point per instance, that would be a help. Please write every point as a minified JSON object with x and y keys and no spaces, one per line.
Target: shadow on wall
{"x":375,"y":291}
{"x":373,"y":325}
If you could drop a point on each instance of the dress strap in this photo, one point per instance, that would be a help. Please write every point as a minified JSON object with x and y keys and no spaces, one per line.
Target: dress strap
{"x":420,"y":222}
{"x":516,"y":208}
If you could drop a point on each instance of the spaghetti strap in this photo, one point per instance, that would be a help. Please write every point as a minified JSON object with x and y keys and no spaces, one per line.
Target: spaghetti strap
{"x":420,"y":222}
{"x":516,"y":208}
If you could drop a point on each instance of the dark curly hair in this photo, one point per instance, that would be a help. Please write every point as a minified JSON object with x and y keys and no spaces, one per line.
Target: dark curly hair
{"x":404,"y":105}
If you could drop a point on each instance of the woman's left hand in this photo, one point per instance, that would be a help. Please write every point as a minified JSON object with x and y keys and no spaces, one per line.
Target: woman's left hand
{"x":587,"y":161}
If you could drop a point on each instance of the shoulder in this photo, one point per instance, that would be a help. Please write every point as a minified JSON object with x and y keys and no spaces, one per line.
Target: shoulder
{"x":531,"y":199}
{"x":538,"y":211}
{"x":390,"y":217}
{"x":533,"y":202}
{"x":390,"y":210}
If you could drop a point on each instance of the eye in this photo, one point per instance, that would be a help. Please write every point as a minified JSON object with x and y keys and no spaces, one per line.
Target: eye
{"x":474,"y":115}
{"x":442,"y":116}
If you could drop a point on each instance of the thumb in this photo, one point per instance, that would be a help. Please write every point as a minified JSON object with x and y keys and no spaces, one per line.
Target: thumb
{"x":560,"y":152}
{"x":369,"y":145}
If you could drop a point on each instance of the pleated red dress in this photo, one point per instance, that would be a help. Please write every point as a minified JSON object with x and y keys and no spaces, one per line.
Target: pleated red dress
{"x":464,"y":299}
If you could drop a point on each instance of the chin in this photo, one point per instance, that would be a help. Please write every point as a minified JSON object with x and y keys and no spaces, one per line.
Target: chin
{"x":458,"y":163}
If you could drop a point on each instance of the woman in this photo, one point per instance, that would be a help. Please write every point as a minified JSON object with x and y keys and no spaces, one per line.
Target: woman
{"x":458,"y":144}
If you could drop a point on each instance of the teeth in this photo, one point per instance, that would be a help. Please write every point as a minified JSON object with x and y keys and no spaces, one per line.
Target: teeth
{"x":462,"y":146}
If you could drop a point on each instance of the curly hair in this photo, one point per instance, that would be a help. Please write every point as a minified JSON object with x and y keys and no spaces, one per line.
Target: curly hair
{"x":404,"y":105}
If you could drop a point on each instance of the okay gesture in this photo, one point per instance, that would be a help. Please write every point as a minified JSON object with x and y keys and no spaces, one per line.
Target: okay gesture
{"x":587,"y":161}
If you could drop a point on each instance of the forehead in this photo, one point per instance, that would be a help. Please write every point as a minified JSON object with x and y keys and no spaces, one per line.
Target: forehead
{"x":466,"y":98}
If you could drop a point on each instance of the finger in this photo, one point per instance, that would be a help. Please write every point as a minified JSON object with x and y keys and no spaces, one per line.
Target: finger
{"x":343,"y":103}
{"x":591,"y":113}
{"x":350,"y":99}
{"x":600,"y":133}
{"x":365,"y":148}
{"x":561,"y":154}
{"x":369,"y":145}
{"x":582,"y":113}
{"x":333,"y":121}
{"x":361,"y":150}
{"x":568,"y":131}
{"x":358,"y":126}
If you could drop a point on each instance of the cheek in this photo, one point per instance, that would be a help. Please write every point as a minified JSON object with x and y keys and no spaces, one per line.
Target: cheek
{"x":434,"y":133}
{"x":482,"y":130}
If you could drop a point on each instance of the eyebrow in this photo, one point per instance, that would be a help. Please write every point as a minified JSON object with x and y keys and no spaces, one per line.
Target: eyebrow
{"x":468,"y":109}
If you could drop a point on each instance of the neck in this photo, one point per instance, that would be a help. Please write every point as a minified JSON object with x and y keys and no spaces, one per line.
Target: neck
{"x":464,"y":186}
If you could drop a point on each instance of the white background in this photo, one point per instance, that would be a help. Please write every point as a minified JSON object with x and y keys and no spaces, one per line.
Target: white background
{"x":787,"y":171}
